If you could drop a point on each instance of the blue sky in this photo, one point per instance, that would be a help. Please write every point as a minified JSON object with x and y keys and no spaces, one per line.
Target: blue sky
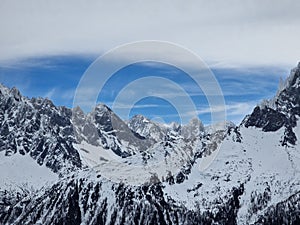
{"x":45,"y":47}
{"x":57,"y":77}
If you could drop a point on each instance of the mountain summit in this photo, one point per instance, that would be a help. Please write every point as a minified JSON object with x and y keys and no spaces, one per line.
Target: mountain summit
{"x":281,"y":111}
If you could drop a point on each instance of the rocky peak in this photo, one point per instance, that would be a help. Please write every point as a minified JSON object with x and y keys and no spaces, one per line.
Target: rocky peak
{"x":220,"y":126}
{"x":102,"y":108}
{"x":40,"y":130}
{"x":147,"y":128}
{"x":288,"y":99}
{"x":175,"y":126}
{"x":281,"y":111}
{"x":78,"y":112}
{"x":193,"y":129}
{"x":139,"y":118}
{"x":16,"y":94}
{"x":105,"y":118}
{"x":4,"y":90}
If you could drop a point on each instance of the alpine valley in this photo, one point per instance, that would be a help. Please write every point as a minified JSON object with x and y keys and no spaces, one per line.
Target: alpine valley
{"x":63,"y":166}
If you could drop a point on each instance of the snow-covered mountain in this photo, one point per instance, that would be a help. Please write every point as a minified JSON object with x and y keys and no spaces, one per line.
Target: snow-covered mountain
{"x":38,"y":128}
{"x":147,"y":128}
{"x":253,"y":179}
{"x":102,"y":127}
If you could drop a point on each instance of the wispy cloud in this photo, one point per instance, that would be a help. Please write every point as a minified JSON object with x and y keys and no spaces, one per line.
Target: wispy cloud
{"x":67,"y":94}
{"x":139,"y":106}
{"x":19,"y":82}
{"x":240,"y":108}
{"x":235,"y":111}
{"x":60,"y":96}
{"x":251,"y":32}
{"x":49,"y":94}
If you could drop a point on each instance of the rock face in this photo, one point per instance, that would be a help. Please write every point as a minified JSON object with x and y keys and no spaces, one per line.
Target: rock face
{"x":103,"y":127}
{"x":147,"y":128}
{"x":194,"y":129}
{"x":280,"y":111}
{"x":254,"y":178}
{"x":285,"y":212}
{"x":38,"y":128}
{"x":46,"y":132}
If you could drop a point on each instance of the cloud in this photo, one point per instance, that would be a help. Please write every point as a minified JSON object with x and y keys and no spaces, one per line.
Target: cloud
{"x":139,"y":106}
{"x":235,"y":111}
{"x":49,"y":94}
{"x":240,"y":108}
{"x":67,"y":94}
{"x":225,"y":32}
{"x":236,"y":108}
{"x":60,"y":96}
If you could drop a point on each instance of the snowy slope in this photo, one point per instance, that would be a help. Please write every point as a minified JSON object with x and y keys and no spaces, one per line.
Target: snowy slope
{"x":21,"y":170}
{"x":260,"y":163}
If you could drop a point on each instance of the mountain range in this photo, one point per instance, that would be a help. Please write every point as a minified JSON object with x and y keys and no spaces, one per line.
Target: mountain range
{"x":65,"y":166}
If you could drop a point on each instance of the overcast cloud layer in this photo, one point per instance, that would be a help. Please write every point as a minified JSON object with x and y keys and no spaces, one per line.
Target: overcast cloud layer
{"x":223,"y":32}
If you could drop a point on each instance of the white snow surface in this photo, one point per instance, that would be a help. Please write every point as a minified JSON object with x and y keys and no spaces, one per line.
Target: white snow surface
{"x":132,"y":170}
{"x":18,"y":171}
